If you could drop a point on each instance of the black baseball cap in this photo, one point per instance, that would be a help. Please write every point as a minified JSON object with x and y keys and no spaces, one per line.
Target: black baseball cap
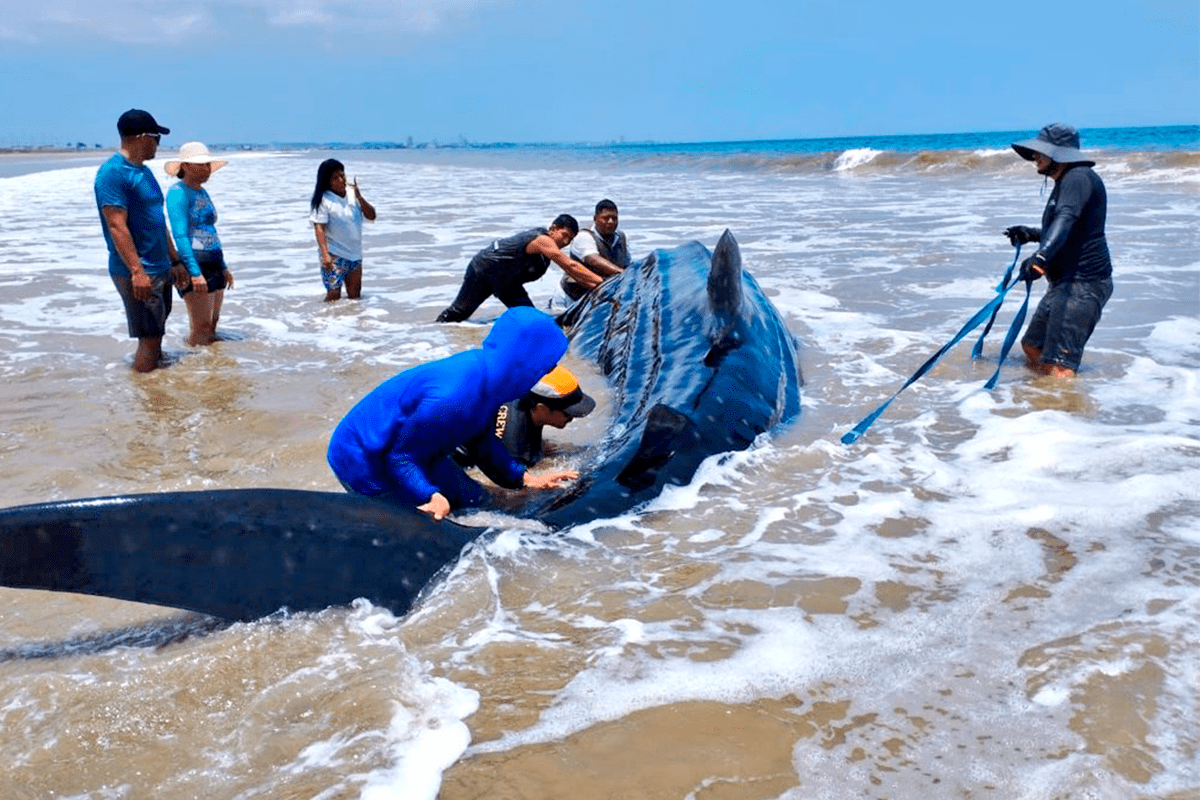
{"x":135,"y":121}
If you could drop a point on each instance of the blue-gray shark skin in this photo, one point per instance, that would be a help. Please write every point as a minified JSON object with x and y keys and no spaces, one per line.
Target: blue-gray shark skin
{"x":698,"y":362}
{"x":238,"y":554}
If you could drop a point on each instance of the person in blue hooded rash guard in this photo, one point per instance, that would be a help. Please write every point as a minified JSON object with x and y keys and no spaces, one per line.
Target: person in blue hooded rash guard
{"x":397,"y":442}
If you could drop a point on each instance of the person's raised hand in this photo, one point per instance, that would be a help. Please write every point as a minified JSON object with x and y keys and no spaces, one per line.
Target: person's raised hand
{"x":1020,"y":234}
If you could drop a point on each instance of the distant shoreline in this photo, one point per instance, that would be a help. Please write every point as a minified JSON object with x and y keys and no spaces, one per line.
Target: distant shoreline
{"x":47,"y":150}
{"x":23,"y":161}
{"x":1105,"y":137}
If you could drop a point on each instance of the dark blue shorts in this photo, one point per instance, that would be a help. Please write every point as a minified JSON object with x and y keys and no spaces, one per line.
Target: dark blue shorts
{"x":147,"y":318}
{"x":1064,"y":320}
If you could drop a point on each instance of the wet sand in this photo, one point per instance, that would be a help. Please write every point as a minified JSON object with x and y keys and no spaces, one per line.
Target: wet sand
{"x":26,"y":162}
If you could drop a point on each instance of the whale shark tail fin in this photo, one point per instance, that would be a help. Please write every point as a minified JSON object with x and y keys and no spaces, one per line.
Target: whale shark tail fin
{"x":237,"y":554}
{"x":725,"y":276}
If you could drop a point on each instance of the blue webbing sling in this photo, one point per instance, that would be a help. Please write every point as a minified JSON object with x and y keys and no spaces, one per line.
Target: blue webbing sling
{"x":988,"y":312}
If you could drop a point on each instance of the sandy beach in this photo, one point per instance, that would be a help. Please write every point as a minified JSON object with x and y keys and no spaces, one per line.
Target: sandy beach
{"x":14,"y":162}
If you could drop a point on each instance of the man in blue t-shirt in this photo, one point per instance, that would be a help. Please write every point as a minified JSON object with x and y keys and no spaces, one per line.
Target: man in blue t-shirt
{"x":142,"y":261}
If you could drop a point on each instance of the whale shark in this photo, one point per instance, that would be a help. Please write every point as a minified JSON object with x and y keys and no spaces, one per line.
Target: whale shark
{"x":698,"y":362}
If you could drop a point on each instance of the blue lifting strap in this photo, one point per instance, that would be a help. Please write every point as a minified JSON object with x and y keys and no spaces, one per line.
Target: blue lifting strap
{"x":988,"y":312}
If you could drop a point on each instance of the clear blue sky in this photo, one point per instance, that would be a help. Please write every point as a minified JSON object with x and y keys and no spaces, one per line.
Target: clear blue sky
{"x":534,"y":70}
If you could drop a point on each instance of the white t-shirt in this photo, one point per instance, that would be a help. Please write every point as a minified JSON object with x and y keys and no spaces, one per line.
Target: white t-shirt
{"x":342,"y":218}
{"x":582,"y":246}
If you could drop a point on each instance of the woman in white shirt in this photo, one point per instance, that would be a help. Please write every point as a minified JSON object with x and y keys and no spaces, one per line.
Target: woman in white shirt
{"x":337,"y":216}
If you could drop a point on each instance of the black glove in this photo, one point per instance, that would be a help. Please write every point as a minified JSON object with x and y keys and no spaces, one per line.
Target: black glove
{"x":1021,"y":234}
{"x":1033,"y":268}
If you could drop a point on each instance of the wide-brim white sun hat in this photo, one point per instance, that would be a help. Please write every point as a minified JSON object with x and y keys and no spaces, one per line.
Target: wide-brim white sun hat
{"x":193,"y":153}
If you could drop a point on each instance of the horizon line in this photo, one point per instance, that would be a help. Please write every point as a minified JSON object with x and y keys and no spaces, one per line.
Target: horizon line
{"x":462,"y":142}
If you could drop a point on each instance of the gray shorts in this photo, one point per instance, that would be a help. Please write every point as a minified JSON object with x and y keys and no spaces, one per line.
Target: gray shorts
{"x":147,"y":318}
{"x":1064,"y":320}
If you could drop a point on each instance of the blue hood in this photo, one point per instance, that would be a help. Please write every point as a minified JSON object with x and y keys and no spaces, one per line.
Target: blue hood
{"x":393,"y":439}
{"x":523,"y":345}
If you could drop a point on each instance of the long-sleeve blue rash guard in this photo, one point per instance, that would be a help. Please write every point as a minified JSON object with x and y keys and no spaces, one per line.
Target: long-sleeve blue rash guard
{"x":396,"y":440}
{"x":193,"y":221}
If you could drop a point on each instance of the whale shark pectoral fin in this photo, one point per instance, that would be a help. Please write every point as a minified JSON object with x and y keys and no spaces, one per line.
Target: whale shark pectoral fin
{"x":725,"y":276}
{"x":667,"y":430}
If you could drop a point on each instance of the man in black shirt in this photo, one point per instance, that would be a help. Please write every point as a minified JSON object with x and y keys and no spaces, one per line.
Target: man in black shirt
{"x":506,"y":265}
{"x":1072,"y":252}
{"x":555,"y":400}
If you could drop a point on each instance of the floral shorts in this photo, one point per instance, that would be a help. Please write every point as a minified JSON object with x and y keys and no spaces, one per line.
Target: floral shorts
{"x":342,"y":267}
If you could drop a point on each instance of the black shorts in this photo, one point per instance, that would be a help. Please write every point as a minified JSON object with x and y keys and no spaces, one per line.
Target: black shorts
{"x":212,"y":267}
{"x":147,"y":318}
{"x":1064,"y":320}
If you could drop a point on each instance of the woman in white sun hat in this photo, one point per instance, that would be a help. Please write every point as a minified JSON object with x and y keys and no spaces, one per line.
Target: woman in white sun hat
{"x":193,"y":226}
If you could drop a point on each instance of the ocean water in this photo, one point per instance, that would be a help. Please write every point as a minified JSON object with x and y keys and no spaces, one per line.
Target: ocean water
{"x":990,"y":595}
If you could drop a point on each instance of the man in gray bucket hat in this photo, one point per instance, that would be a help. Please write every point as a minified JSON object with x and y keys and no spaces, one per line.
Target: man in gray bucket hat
{"x":1072,"y":252}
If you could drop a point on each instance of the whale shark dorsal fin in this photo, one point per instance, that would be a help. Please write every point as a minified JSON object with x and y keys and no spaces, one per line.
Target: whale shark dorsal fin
{"x":725,"y":276}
